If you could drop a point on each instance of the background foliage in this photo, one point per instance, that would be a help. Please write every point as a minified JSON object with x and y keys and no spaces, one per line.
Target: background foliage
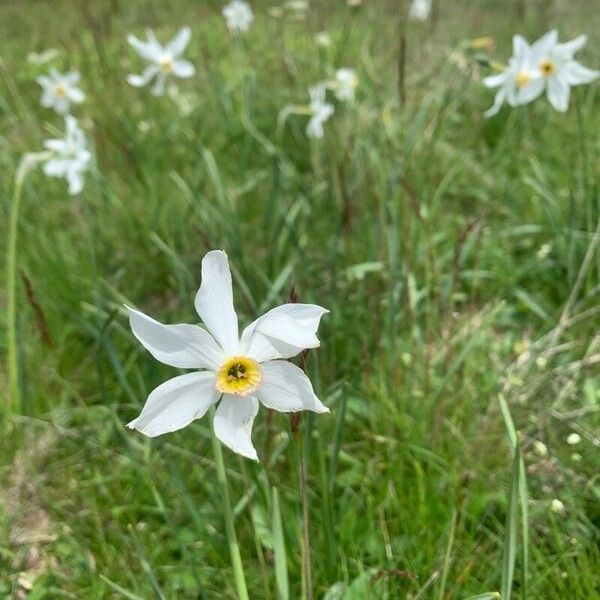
{"x":445,"y":245}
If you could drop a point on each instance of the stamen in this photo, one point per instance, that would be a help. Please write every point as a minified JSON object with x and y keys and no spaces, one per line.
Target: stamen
{"x":547,"y":67}
{"x":239,"y":375}
{"x":166,"y":64}
{"x":522,"y":79}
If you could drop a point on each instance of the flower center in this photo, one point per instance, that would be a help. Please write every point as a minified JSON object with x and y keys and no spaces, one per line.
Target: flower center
{"x":166,"y":64}
{"x":522,"y":79}
{"x":60,"y":91}
{"x":239,"y":375}
{"x":547,"y":67}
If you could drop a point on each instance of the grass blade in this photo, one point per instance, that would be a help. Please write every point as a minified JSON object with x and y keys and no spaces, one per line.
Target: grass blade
{"x":510,"y":536}
{"x":281,"y":574}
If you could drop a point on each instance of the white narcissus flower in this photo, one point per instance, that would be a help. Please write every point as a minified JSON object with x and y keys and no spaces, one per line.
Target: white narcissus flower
{"x":559,"y":69}
{"x":69,"y":157}
{"x":238,"y":16}
{"x":165,"y":61}
{"x":320,"y":111}
{"x":420,"y":10}
{"x":345,"y":83}
{"x":238,"y":371}
{"x":59,"y":90}
{"x":520,"y":82}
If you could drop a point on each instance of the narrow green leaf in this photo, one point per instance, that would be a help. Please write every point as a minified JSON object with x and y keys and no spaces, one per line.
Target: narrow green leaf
{"x":510,"y":534}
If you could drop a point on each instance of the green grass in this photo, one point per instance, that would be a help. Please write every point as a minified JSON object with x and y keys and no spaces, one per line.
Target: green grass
{"x":445,"y":245}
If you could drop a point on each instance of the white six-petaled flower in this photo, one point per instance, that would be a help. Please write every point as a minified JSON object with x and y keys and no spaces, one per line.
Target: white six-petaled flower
{"x":69,"y":156}
{"x":558,"y":68}
{"x":520,"y":82}
{"x":545,"y":65}
{"x":420,"y":10}
{"x":345,"y":84}
{"x":240,"y":371}
{"x":60,"y":91}
{"x":320,"y":111}
{"x":238,"y":16}
{"x":165,"y":61}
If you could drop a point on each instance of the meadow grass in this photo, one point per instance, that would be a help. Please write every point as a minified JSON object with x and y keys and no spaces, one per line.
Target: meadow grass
{"x":458,"y":257}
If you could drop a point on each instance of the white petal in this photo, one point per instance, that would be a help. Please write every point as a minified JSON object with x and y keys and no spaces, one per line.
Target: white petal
{"x":184,"y":346}
{"x":176,"y":403}
{"x":520,"y":46}
{"x":146,"y":50}
{"x":144,"y":78}
{"x":62,"y":105}
{"x":498,"y":102}
{"x":493,"y":81}
{"x":568,"y":50}
{"x":44,"y":81}
{"x":75,"y":180}
{"x":530,"y":92}
{"x":178,"y":44}
{"x":72,"y":128}
{"x":183,"y":68}
{"x":314,"y":128}
{"x":233,"y":423}
{"x":158,"y":89}
{"x":55,"y":145}
{"x":286,"y":388}
{"x":576,"y":74}
{"x":282,"y":332}
{"x":214,"y":301}
{"x":83,"y":158}
{"x":545,"y":45}
{"x":72,"y":78}
{"x":76,"y":95}
{"x":56,"y":167}
{"x":48,"y":98}
{"x":558,"y":93}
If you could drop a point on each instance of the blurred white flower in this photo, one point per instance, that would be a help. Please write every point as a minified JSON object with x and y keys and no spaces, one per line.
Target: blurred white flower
{"x":238,"y":16}
{"x":557,"y":506}
{"x":323,"y":39}
{"x":345,"y":83}
{"x":69,"y":157}
{"x":60,"y":90}
{"x":296,"y":5}
{"x":543,"y":251}
{"x":41,"y":58}
{"x":520,"y":82}
{"x":573,"y":439}
{"x":540,"y":448}
{"x":420,"y":10}
{"x":165,"y":61}
{"x":238,"y":371}
{"x":558,"y":68}
{"x":320,"y":111}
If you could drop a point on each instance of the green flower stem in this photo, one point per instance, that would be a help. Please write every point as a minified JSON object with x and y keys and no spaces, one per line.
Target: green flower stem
{"x":234,"y":548}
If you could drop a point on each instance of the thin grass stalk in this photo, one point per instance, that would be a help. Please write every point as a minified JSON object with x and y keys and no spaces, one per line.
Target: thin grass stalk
{"x":402,"y":53}
{"x":234,"y":548}
{"x":307,"y":566}
{"x":14,"y":385}
{"x":304,"y":451}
